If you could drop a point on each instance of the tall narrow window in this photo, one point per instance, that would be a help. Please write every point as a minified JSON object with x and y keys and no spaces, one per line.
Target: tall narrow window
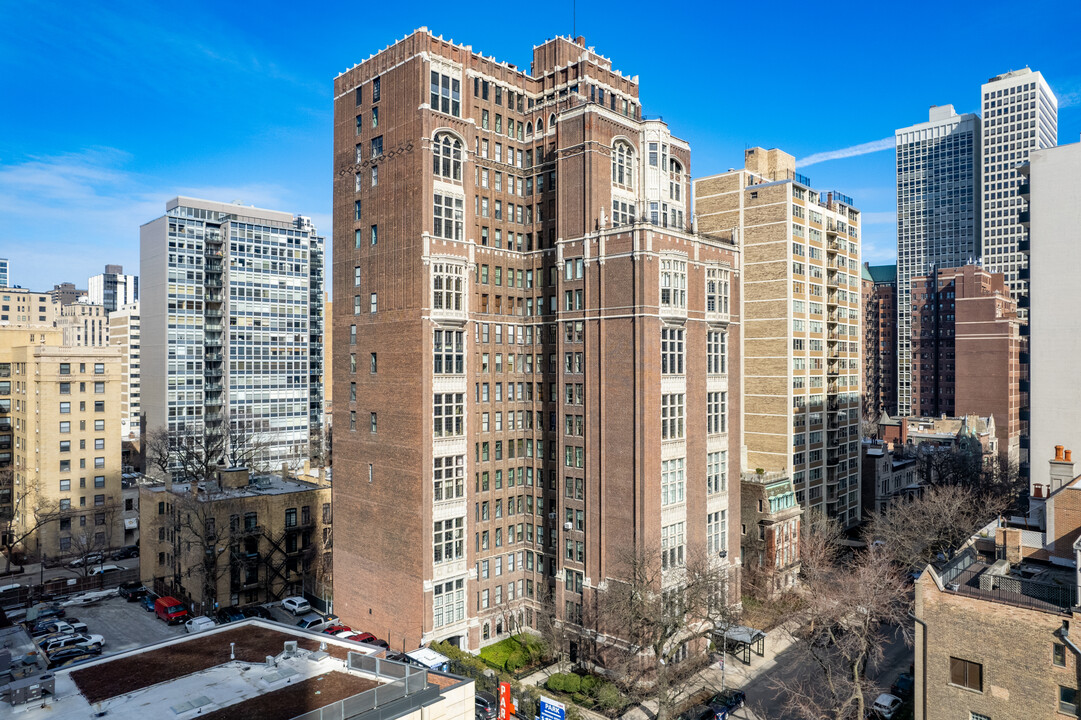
{"x":448,"y":214}
{"x":672,"y":351}
{"x":623,"y":164}
{"x":447,"y":157}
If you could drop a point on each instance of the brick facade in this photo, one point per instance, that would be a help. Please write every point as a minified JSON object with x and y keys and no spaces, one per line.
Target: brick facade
{"x":573,"y":211}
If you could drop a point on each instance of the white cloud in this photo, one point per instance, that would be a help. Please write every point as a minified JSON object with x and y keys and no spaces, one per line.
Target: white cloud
{"x":63,"y":217}
{"x":862,"y":149}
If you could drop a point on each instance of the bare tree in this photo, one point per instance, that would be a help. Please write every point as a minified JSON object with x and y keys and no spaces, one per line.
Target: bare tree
{"x":913,"y":532}
{"x":850,"y":604}
{"x":196,"y":451}
{"x":91,"y":533}
{"x":659,"y":623}
{"x":22,"y":514}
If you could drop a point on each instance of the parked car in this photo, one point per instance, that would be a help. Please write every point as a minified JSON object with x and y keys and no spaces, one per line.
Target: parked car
{"x":313,"y":621}
{"x":170,"y":610}
{"x":46,"y":612}
{"x":256,"y":611}
{"x":149,"y":599}
{"x":105,"y":570}
{"x":198,"y":624}
{"x":9,"y":588}
{"x":380,"y":643}
{"x":886,"y":705}
{"x":132,"y":591}
{"x":338,"y":630}
{"x":361,"y":637}
{"x":128,"y":551}
{"x":72,"y":656}
{"x":728,"y":699}
{"x":54,"y":627}
{"x":229,"y":614}
{"x":52,"y":644}
{"x":487,"y":706}
{"x":903,"y":686}
{"x":92,"y":558}
{"x":296,"y":605}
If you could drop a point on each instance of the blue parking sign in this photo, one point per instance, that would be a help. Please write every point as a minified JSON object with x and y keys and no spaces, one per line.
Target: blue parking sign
{"x":552,"y":709}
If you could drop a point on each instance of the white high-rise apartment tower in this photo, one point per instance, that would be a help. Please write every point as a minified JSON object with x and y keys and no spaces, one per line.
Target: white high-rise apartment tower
{"x":938,"y":220}
{"x":1020,"y":114}
{"x":124,"y":332}
{"x":112,"y":288}
{"x":232,"y":324}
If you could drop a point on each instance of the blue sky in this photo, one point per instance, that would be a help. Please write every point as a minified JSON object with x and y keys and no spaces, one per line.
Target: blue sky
{"x":114,"y":107}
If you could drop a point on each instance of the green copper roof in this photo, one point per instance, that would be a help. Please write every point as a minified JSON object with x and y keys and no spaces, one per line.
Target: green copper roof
{"x":881,"y":273}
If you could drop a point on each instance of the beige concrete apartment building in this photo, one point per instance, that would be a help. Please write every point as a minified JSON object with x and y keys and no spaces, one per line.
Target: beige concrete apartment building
{"x":801,"y":313}
{"x":125,"y":333}
{"x":61,"y":418}
{"x":26,"y":308}
{"x":84,"y":324}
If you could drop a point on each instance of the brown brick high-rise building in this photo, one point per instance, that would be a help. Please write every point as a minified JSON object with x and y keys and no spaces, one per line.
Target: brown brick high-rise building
{"x":531,"y":349}
{"x":879,"y":288}
{"x":966,"y":350}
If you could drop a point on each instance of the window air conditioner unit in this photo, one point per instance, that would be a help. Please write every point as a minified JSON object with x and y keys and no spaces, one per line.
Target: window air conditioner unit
{"x":568,"y":526}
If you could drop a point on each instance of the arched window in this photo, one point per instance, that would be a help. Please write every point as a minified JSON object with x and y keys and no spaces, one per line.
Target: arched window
{"x":675,"y":180}
{"x":551,"y":121}
{"x":623,"y":164}
{"x":447,"y":157}
{"x":529,"y":129}
{"x":540,"y":125}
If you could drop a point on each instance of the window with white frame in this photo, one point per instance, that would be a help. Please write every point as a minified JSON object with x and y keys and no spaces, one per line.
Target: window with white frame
{"x":622,"y":213}
{"x":673,"y":283}
{"x":446,"y":94}
{"x":449,"y":477}
{"x":448,"y":214}
{"x":448,"y":348}
{"x":448,"y":603}
{"x":671,"y":351}
{"x":716,"y":531}
{"x":717,"y":286}
{"x":449,"y":414}
{"x":449,"y":540}
{"x":715,"y":412}
{"x":716,"y":351}
{"x":623,"y":164}
{"x":448,"y":286}
{"x":671,"y":416}
{"x":672,"y":481}
{"x":447,"y":157}
{"x":716,"y":472}
{"x":672,"y":554}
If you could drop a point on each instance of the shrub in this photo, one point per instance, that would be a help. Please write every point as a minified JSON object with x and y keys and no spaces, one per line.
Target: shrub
{"x":516,"y":661}
{"x":589,"y":682}
{"x":572,"y":684}
{"x":608,"y":696}
{"x":556,"y":682}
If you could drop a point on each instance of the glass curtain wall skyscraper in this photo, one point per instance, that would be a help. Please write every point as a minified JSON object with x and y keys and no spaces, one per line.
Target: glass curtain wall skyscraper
{"x":1020,"y":114}
{"x":232,"y":323}
{"x":938,"y":178}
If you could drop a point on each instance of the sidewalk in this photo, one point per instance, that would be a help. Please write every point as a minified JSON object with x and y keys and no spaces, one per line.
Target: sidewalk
{"x":736,"y":675}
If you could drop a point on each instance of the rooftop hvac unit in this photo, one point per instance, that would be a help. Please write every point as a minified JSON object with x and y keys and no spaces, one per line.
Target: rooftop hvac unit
{"x":290,"y":647}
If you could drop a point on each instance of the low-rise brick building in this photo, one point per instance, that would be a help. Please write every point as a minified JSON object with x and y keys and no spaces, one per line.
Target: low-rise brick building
{"x":769,"y":532}
{"x":235,"y":539}
{"x":993,"y":625}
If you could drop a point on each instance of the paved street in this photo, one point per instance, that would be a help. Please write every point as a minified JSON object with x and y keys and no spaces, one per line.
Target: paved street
{"x":32,"y":573}
{"x":757,"y":681}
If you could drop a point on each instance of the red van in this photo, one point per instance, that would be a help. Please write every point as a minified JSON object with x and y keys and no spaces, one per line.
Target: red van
{"x":170,"y":610}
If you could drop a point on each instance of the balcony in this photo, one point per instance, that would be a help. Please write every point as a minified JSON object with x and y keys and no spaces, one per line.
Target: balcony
{"x":215,"y":314}
{"x":1023,"y":245}
{"x":215,"y":387}
{"x":1024,"y":385}
{"x":214,"y":283}
{"x":1022,"y":302}
{"x":1023,"y":188}
{"x":1024,"y":217}
{"x":1025,"y":414}
{"x":1023,"y":273}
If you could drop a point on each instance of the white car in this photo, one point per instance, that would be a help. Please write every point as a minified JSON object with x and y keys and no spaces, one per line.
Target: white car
{"x":296,"y":605}
{"x":198,"y":624}
{"x":54,"y":643}
{"x":105,"y":570}
{"x":886,"y":705}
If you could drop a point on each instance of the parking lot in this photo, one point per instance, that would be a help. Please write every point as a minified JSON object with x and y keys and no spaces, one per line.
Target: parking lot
{"x":124,"y":625}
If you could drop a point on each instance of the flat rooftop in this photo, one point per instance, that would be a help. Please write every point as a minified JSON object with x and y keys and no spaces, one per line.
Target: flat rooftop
{"x":249,"y":669}
{"x":259,"y":485}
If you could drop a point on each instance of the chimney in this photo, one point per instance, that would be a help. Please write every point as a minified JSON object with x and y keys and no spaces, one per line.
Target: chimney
{"x":1010,"y":540}
{"x":1061,"y":470}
